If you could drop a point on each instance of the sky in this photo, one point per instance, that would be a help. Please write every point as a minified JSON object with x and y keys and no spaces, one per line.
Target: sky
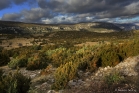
{"x":70,"y":11}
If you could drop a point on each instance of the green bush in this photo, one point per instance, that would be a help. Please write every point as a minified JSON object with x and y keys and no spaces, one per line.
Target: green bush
{"x":64,"y":74}
{"x":57,"y":56}
{"x":1,"y":73}
{"x":4,"y":59}
{"x":36,"y":47}
{"x":113,"y":78}
{"x":39,"y":61}
{"x":109,"y":57}
{"x":18,"y":62}
{"x":14,"y":83}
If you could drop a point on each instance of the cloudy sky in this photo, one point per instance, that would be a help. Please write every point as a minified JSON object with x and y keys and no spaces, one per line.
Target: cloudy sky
{"x":69,"y":11}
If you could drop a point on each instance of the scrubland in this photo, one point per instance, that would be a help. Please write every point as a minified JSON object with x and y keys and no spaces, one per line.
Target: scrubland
{"x":59,"y":58}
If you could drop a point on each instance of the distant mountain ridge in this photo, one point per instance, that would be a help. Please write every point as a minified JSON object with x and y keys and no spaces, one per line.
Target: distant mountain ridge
{"x":9,"y":27}
{"x":129,"y":26}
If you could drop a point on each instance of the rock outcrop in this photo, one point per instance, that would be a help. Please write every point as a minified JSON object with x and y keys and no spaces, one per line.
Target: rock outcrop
{"x":127,"y":68}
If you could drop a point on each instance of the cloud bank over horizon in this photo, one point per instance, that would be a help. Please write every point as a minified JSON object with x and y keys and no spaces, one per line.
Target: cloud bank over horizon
{"x":70,"y":11}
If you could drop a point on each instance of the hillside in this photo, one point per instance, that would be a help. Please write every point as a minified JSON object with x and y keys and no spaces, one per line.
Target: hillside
{"x":113,"y":67}
{"x":70,"y":58}
{"x":8,"y":27}
{"x":128,"y":26}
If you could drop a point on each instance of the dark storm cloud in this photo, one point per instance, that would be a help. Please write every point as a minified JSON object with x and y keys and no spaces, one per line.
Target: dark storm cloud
{"x":42,"y":3}
{"x":4,"y":4}
{"x":11,"y":17}
{"x":8,"y":3}
{"x":75,"y":10}
{"x":19,"y":1}
{"x":111,"y":7}
{"x":120,"y":11}
{"x":36,"y":15}
{"x":33,"y":15}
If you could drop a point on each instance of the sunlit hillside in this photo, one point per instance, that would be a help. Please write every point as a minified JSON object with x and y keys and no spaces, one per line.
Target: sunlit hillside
{"x":69,"y":61}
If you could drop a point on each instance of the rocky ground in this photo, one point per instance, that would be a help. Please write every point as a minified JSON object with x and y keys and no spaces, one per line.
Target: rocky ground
{"x":89,"y":82}
{"x":95,"y":82}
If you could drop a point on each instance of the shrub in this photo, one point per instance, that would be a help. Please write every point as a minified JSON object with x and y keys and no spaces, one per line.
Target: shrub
{"x":18,"y":62}
{"x":47,"y":70}
{"x":109,"y":58}
{"x":4,"y":59}
{"x":64,"y":74}
{"x":39,"y":61}
{"x":113,"y":78}
{"x":1,"y":73}
{"x":107,"y":55}
{"x":57,"y":56}
{"x":14,"y":83}
{"x":36,"y":47}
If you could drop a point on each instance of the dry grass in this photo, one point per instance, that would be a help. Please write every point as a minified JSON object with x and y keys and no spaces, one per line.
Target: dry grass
{"x":16,"y":43}
{"x":91,"y":43}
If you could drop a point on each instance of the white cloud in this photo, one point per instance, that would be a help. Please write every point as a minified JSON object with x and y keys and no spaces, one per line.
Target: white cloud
{"x":60,"y":19}
{"x":133,"y":8}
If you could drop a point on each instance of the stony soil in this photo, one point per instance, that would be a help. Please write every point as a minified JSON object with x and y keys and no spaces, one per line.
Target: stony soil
{"x":88,"y":82}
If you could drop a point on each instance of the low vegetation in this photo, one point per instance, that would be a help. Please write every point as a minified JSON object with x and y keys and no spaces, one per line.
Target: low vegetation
{"x":67,"y":58}
{"x":4,"y":57}
{"x":14,"y":83}
{"x":64,"y":74}
{"x":113,"y":78}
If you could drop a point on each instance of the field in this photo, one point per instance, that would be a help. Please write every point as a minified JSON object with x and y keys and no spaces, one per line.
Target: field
{"x":66,"y":61}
